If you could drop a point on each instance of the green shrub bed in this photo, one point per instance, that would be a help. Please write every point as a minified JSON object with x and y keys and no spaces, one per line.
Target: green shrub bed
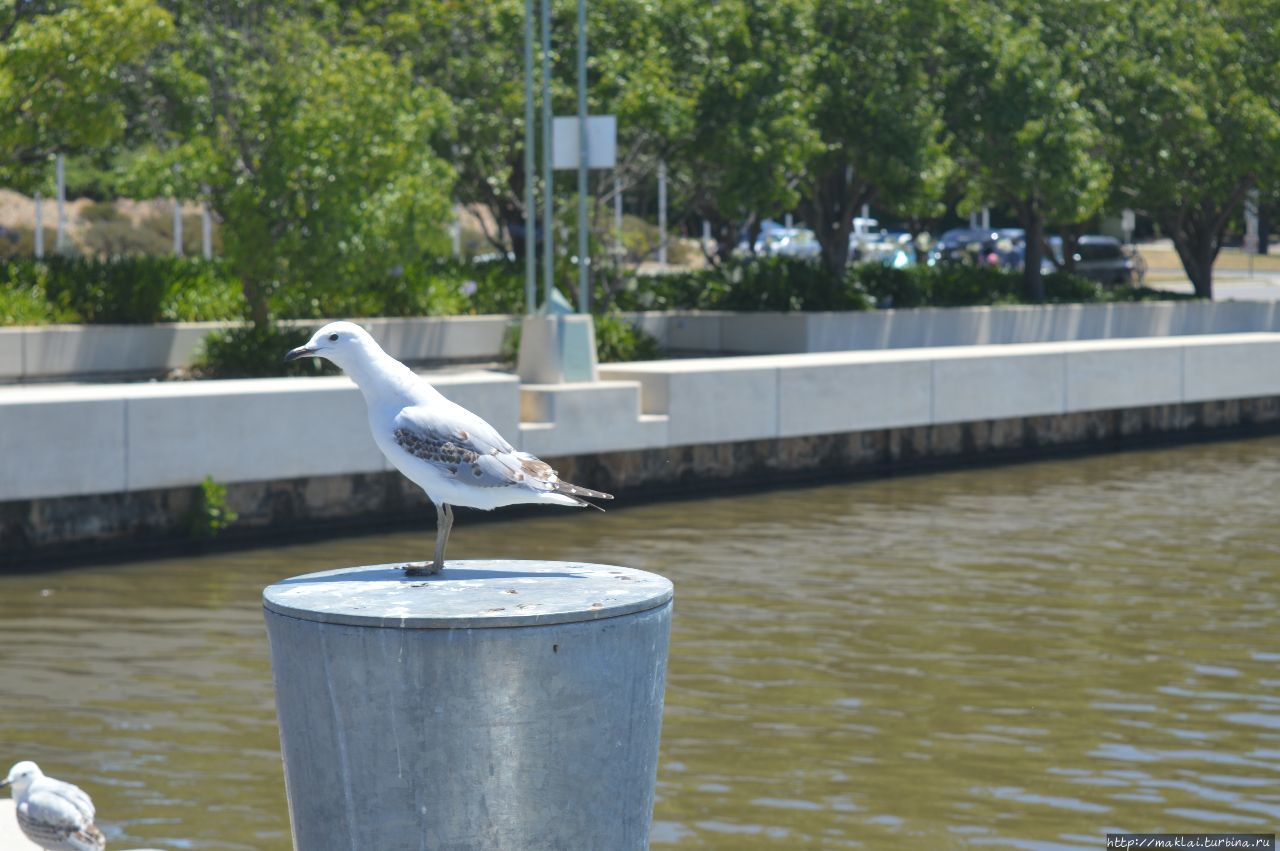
{"x":141,"y":289}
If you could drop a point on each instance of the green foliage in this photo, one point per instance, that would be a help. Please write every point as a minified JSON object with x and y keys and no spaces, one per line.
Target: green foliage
{"x":771,"y":283}
{"x":315,"y":152}
{"x":125,"y":290}
{"x":62,"y":69}
{"x":1025,"y":135}
{"x":1188,"y":95}
{"x":618,"y":340}
{"x":21,"y":242}
{"x":956,"y":285}
{"x":210,"y":513}
{"x":256,"y":351}
{"x":876,"y":108}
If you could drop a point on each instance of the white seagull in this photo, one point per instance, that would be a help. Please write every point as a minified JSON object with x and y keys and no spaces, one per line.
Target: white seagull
{"x":54,"y":815}
{"x":452,"y":454}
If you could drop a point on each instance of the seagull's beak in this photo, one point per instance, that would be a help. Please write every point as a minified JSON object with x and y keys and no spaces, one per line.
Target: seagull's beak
{"x":300,"y":352}
{"x":5,"y":782}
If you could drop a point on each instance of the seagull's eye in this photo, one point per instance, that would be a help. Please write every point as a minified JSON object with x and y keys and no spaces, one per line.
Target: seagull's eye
{"x":333,"y":338}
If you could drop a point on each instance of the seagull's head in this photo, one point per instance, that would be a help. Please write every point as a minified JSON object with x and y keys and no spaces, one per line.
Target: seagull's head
{"x":21,"y":776}
{"x":344,"y":343}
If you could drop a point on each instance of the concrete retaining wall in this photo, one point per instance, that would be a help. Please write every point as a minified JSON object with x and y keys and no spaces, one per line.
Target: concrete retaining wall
{"x":44,"y":352}
{"x":103,"y":438}
{"x":768,"y":333}
{"x":69,"y":454}
{"x":51,"y":351}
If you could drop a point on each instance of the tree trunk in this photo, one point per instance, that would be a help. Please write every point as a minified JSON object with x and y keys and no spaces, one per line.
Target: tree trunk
{"x":256,"y":297}
{"x":1196,"y":230}
{"x":1197,"y":255}
{"x":1032,"y":222}
{"x":835,"y":197}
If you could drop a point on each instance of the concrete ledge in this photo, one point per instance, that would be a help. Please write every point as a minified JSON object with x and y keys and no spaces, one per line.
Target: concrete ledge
{"x":50,"y":351}
{"x":746,"y":398}
{"x":567,"y":419}
{"x":59,"y":444}
{"x":60,"y":440}
{"x":931,"y":327}
{"x":43,"y":352}
{"x":86,"y":439}
{"x":88,"y":526}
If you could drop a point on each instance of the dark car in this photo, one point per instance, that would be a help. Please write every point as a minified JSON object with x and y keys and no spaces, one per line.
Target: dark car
{"x":963,"y":245}
{"x":1105,"y":260}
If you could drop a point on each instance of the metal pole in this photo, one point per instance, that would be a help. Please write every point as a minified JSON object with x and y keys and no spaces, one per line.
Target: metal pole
{"x":60,"y":242}
{"x":617,"y":215}
{"x":986,"y":218}
{"x":530,"y":175}
{"x":206,"y":232}
{"x":584,"y":249}
{"x":512,"y":728}
{"x":177,"y":228}
{"x":548,"y":186}
{"x":662,"y":213}
{"x":39,"y":235}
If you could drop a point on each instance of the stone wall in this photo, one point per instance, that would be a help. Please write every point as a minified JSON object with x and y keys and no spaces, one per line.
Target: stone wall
{"x":73,"y":527}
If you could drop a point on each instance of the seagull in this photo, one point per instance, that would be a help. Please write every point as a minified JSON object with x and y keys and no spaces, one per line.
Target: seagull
{"x":54,"y":815}
{"x":451,"y":453}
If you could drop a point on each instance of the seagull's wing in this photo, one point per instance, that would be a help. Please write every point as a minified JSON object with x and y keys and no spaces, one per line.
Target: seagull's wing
{"x":458,"y":443}
{"x":48,"y":813}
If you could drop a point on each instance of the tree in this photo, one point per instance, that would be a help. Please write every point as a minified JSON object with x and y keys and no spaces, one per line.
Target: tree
{"x":63,"y":69}
{"x":1189,"y":93}
{"x":317,"y":155}
{"x":1015,"y":104}
{"x":876,"y":110}
{"x":737,"y":135}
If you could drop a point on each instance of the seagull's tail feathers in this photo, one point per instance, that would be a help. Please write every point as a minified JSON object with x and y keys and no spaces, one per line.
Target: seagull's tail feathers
{"x":578,"y":495}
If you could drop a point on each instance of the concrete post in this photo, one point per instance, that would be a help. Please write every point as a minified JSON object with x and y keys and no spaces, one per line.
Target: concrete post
{"x":502,"y":704}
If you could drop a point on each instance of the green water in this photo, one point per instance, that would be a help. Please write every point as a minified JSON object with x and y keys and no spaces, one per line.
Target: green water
{"x":1027,"y":657}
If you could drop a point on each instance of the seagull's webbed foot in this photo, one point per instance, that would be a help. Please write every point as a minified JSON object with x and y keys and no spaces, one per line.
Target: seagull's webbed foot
{"x":421,"y":568}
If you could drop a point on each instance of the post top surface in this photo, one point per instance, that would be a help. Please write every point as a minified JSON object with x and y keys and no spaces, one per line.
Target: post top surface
{"x":468,"y":594}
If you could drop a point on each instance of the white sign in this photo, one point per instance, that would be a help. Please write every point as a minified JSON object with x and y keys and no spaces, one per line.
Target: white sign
{"x":602,"y":142}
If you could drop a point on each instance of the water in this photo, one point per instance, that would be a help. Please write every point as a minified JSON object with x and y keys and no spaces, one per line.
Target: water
{"x":1024,"y":657}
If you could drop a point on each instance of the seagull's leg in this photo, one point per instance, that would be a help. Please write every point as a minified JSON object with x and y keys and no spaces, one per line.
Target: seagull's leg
{"x":444,"y":521}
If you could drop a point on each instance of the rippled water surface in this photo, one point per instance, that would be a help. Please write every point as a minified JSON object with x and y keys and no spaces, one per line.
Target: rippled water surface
{"x":1025,"y":656}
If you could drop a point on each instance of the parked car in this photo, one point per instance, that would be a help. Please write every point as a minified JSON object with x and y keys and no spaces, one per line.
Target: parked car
{"x":964,"y":245}
{"x":789,"y":242}
{"x":1105,"y":260}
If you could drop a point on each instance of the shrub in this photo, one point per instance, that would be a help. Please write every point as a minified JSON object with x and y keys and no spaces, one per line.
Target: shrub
{"x":618,"y":340}
{"x":210,"y":513}
{"x":117,"y":237}
{"x":128,"y":290}
{"x":770,"y":283}
{"x":249,"y":351}
{"x":20,"y":242}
